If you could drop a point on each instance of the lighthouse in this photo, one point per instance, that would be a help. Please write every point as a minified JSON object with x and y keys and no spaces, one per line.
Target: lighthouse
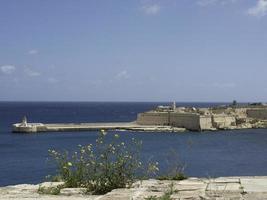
{"x":174,"y":105}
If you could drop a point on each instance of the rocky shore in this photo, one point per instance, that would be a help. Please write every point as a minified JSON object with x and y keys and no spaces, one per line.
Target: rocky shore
{"x":224,"y":188}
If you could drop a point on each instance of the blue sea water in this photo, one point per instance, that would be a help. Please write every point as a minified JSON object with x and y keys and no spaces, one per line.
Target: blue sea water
{"x":23,"y":157}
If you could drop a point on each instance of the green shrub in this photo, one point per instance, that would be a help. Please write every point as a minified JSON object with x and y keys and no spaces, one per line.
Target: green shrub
{"x":175,"y":177}
{"x":102,"y":167}
{"x":50,"y":190}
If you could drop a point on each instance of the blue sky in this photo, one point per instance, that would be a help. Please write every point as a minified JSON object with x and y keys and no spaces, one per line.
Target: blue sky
{"x":133,"y":50}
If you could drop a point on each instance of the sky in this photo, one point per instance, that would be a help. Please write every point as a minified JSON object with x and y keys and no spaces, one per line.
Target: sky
{"x":133,"y":50}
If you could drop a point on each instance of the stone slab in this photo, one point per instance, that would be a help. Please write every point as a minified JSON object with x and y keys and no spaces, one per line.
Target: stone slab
{"x":190,"y":187}
{"x":118,"y":194}
{"x":224,"y":187}
{"x":188,"y":195}
{"x":254,"y":184}
{"x":226,"y":180}
{"x":255,"y":196}
{"x":51,"y":184}
{"x":72,"y":191}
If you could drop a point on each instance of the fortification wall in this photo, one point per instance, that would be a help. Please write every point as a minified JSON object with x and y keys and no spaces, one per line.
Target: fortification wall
{"x":223,"y":121}
{"x":189,"y":121}
{"x":153,"y":118}
{"x":205,"y":122}
{"x":257,"y":113}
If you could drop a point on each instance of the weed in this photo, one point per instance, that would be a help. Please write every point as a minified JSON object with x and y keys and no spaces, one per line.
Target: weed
{"x":175,"y":177}
{"x":165,"y":196}
{"x":102,"y":167}
{"x":50,"y":190}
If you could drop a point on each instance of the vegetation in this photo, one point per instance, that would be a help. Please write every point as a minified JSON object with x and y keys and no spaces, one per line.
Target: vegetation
{"x":104,"y":166}
{"x":50,"y":190}
{"x":165,"y":196}
{"x":176,"y":177}
{"x":108,"y":165}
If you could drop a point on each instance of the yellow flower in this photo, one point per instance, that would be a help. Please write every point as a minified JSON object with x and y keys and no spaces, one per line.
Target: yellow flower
{"x":116,"y":136}
{"x":69,"y":164}
{"x":103,"y":132}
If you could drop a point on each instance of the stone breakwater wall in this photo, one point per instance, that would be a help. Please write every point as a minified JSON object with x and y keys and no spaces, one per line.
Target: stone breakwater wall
{"x":223,"y":188}
{"x":130,"y":126}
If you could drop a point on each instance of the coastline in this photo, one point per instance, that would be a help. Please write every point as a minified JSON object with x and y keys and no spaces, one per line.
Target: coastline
{"x":167,"y":119}
{"x":121,"y":126}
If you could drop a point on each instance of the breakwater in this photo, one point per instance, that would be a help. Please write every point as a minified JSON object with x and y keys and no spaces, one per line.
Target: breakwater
{"x":25,"y":127}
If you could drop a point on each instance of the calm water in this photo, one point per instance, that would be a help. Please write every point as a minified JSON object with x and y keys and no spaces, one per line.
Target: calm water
{"x":24,"y":156}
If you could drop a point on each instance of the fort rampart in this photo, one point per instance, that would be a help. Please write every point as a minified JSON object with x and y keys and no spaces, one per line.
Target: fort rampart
{"x":190,"y":121}
{"x":257,"y":113}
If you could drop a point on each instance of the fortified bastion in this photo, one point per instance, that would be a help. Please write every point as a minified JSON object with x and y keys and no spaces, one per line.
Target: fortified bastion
{"x":214,"y":118}
{"x":169,"y":119}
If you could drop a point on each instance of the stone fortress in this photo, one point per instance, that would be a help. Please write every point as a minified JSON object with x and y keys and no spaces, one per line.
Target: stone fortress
{"x":169,"y":119}
{"x":214,"y":118}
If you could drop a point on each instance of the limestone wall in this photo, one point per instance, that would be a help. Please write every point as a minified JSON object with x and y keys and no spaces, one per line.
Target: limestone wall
{"x":223,"y":121}
{"x":189,"y":121}
{"x":153,"y":118}
{"x":205,"y":122}
{"x":257,"y":113}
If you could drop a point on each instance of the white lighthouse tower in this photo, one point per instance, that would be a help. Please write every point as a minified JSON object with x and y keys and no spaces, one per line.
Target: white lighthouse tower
{"x":174,"y":105}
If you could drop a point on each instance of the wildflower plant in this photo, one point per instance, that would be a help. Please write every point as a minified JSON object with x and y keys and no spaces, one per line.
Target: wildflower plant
{"x":104,"y":166}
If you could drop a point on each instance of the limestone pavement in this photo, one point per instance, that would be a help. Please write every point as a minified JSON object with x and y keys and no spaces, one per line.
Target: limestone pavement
{"x":223,"y":188}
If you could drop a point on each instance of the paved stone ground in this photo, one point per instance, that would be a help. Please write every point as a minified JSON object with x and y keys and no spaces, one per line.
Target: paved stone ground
{"x":224,"y":188}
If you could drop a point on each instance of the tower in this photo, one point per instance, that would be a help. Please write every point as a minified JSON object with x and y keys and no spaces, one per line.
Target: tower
{"x":174,"y":105}
{"x":24,"y":121}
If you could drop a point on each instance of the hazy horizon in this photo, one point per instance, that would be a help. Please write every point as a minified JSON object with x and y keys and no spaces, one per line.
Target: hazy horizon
{"x":165,"y":102}
{"x":133,"y":51}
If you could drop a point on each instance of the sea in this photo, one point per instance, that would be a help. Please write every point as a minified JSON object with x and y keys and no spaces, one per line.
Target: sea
{"x":24,"y":157}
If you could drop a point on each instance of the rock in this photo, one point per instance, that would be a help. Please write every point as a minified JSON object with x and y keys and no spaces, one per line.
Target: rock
{"x":17,"y":189}
{"x":196,"y":195}
{"x":244,"y":126}
{"x":254,"y":184}
{"x":51,"y":184}
{"x":72,"y":191}
{"x":255,"y":196}
{"x":223,"y":121}
{"x":224,"y":188}
{"x":118,"y":194}
{"x":225,"y":180}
